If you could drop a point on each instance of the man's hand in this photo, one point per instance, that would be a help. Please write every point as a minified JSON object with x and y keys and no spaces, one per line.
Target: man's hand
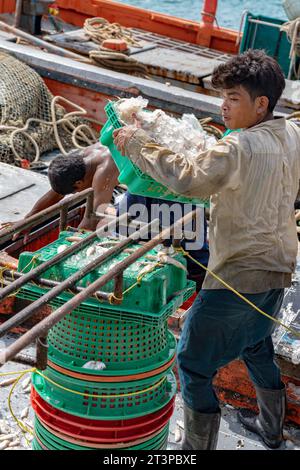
{"x":17,"y":235}
{"x":6,"y":225}
{"x":123,"y":135}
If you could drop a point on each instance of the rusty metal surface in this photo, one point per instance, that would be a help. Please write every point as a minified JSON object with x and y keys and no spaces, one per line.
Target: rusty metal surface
{"x":44,"y":326}
{"x":43,"y":267}
{"x":29,"y":311}
{"x":18,"y":12}
{"x":42,"y":216}
{"x":42,"y":353}
{"x":11,"y":276}
{"x":25,"y":360}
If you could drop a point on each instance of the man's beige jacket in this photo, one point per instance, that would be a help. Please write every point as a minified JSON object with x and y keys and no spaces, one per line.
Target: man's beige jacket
{"x":253,"y":180}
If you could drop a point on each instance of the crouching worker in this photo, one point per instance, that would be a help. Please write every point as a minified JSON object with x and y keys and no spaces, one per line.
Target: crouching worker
{"x":253,"y":180}
{"x":94,"y":167}
{"x":91,"y":167}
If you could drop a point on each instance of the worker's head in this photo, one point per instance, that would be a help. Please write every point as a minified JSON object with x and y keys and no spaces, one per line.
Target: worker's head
{"x":67,"y":173}
{"x":251,"y":84}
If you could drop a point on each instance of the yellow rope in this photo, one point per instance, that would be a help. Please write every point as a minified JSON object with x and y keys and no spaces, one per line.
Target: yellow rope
{"x":112,"y":297}
{"x":2,"y":270}
{"x":33,"y":262}
{"x":20,"y":423}
{"x":291,"y":330}
{"x":138,"y":281}
{"x":139,"y":392}
{"x":4,"y":374}
{"x":140,"y":277}
{"x":23,"y":427}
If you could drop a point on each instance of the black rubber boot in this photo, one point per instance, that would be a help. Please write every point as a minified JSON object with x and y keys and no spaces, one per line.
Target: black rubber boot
{"x":269,"y":422}
{"x":201,"y":430}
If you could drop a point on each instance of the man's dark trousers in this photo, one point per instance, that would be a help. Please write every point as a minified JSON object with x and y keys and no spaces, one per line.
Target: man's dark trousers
{"x":220,"y":328}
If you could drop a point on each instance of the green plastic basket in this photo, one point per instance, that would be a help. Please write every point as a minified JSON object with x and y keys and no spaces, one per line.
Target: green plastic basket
{"x":125,"y":348}
{"x":137,"y":181}
{"x":92,"y":306}
{"x":123,"y":400}
{"x":52,"y":442}
{"x":151,"y":294}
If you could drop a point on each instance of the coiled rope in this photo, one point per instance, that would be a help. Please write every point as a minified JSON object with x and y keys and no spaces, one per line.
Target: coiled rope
{"x":99,"y":29}
{"x":292,"y":30}
{"x":82,"y":132}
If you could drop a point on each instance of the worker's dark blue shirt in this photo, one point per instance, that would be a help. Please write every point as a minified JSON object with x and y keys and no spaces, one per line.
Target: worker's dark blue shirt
{"x":200,"y":254}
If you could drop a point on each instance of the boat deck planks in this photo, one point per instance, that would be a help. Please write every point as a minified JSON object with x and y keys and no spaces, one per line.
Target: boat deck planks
{"x":163,"y":56}
{"x":78,"y":41}
{"x":177,"y":65}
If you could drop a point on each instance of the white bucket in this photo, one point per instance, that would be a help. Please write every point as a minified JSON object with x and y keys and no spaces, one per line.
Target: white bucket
{"x":292,"y":8}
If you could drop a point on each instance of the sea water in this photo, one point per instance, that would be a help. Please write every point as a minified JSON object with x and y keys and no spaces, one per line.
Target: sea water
{"x":229,"y":11}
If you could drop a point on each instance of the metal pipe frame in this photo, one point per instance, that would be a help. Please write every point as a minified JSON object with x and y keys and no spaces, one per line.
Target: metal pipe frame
{"x":34,"y":273}
{"x":10,"y":276}
{"x":36,"y":219}
{"x":42,"y":328}
{"x":25,"y":360}
{"x":42,"y":353}
{"x":18,"y":13}
{"x":13,"y":247}
{"x":43,"y":44}
{"x":265,"y":23}
{"x":30,"y":310}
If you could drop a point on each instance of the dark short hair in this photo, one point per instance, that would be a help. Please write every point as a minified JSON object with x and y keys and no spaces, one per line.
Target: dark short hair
{"x":257,"y":72}
{"x":65,"y":170}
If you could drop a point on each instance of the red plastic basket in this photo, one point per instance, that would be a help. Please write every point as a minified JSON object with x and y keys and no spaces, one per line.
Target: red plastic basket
{"x":189,"y":302}
{"x":100,"y":431}
{"x":101,"y":445}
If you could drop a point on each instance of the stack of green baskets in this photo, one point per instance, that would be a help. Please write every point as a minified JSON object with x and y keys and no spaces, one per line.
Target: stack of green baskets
{"x":109,"y":381}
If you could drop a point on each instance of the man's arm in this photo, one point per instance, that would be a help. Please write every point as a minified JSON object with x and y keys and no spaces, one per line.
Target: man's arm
{"x":206,"y":174}
{"x":49,"y":199}
{"x":104,"y":182}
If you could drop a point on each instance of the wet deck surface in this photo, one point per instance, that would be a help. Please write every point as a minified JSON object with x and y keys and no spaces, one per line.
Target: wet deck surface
{"x":287,"y":344}
{"x":19,"y":191}
{"x":232,"y":435}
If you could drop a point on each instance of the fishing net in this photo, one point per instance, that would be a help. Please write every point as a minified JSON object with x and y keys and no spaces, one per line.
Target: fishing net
{"x":31,"y":120}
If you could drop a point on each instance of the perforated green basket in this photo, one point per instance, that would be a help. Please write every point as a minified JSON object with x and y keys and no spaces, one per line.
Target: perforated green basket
{"x":137,"y":181}
{"x":105,"y":400}
{"x":92,"y":306}
{"x":52,"y":442}
{"x":152,"y":292}
{"x":124,"y":347}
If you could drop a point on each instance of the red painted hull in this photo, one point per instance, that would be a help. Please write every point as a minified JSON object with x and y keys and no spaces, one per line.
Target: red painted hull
{"x":203,"y":33}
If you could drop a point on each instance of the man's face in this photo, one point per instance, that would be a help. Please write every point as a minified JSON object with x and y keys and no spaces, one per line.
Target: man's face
{"x":79,"y":186}
{"x":240,"y":111}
